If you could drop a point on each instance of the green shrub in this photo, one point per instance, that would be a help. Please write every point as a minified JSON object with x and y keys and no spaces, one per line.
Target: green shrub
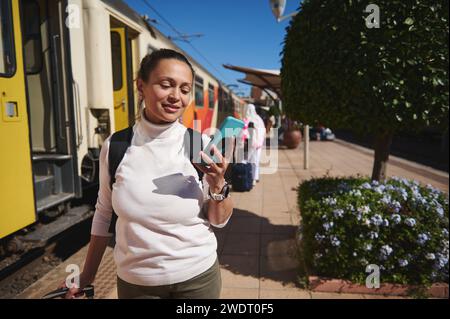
{"x":399,"y":225}
{"x":338,"y":71}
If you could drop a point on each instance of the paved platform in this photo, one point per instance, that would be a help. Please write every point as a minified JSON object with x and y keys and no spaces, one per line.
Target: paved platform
{"x":257,"y":248}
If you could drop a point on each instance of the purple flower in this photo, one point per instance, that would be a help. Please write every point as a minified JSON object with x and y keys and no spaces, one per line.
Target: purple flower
{"x":338,"y":213}
{"x":380,"y":189}
{"x":377,"y":220}
{"x":342,"y":185}
{"x":411,"y":222}
{"x":403,"y":262}
{"x":356,"y":192}
{"x":396,"y":218}
{"x":396,"y":206}
{"x":430,"y":187}
{"x":327,"y":226}
{"x":390,"y":187}
{"x":403,"y":193}
{"x":364,"y":209}
{"x":330,"y":201}
{"x":319,"y":237}
{"x":442,"y":261}
{"x":366,"y":186}
{"x":335,"y":241}
{"x":405,"y":181}
{"x":422,"y":239}
{"x":430,"y":256}
{"x":385,"y":251}
{"x":386,"y":200}
{"x":373,"y":235}
{"x":440,"y":211}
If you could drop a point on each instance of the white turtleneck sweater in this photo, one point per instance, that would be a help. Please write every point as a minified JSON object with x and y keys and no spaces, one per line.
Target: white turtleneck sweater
{"x":162,"y":234}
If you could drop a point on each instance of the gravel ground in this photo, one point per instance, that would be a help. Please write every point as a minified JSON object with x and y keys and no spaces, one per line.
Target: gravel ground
{"x":15,"y":284}
{"x":46,"y":260}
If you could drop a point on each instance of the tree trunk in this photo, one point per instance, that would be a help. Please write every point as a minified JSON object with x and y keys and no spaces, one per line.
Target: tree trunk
{"x":382,"y":148}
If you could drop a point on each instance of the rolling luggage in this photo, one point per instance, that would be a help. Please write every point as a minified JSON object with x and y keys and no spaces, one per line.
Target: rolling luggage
{"x":241,"y":177}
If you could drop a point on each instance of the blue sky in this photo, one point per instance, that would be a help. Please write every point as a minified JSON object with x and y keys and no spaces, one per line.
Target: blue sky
{"x":238,"y":32}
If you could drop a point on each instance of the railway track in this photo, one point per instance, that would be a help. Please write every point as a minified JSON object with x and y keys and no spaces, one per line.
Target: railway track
{"x":43,"y":249}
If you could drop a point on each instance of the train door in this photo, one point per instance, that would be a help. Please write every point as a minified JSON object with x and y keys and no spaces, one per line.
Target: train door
{"x":17,"y":208}
{"x":121,"y":67}
{"x":49,"y":83}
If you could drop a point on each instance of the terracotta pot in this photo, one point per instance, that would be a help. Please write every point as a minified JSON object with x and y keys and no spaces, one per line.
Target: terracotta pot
{"x":292,"y":138}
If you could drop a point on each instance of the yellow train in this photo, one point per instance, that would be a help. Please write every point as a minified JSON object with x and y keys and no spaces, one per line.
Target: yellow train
{"x":66,"y":83}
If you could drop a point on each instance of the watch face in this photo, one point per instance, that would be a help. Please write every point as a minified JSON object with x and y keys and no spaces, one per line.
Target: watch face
{"x":226,"y":190}
{"x":223,"y":194}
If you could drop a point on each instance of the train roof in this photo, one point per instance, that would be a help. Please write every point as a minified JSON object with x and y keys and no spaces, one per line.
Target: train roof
{"x":131,"y":14}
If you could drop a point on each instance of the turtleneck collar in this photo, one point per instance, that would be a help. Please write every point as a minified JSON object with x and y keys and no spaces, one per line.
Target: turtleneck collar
{"x":156,"y":130}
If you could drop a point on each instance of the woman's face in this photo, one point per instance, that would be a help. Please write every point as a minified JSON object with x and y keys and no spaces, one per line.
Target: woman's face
{"x":167,"y":92}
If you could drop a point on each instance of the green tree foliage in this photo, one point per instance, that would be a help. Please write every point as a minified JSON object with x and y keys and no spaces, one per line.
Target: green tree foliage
{"x":338,"y":71}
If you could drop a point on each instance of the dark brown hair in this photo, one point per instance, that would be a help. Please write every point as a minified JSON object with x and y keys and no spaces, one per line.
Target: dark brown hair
{"x":150,"y":61}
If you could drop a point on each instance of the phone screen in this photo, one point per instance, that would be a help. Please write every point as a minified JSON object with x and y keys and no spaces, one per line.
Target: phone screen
{"x":230,"y":127}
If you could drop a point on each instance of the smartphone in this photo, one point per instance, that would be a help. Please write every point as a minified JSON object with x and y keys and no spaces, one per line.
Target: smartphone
{"x":230,"y":127}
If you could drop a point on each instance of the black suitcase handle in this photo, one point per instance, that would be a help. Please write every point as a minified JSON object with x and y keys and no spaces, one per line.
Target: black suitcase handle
{"x":88,"y":291}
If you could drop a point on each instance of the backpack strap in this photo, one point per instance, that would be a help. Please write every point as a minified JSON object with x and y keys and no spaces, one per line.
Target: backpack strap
{"x":121,"y":140}
{"x":119,"y":143}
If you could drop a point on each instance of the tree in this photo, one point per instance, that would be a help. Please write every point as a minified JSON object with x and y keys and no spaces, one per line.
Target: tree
{"x":338,"y":71}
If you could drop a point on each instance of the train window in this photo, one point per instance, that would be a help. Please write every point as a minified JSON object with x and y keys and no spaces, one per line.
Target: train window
{"x":32,"y":37}
{"x":199,"y":91}
{"x":211,"y":96}
{"x":116,"y":55}
{"x":229,"y":103}
{"x":7,"y":59}
{"x":225,"y":102}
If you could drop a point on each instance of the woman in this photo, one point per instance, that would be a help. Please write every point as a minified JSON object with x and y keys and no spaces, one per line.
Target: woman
{"x":165,"y":246}
{"x":257,"y":141}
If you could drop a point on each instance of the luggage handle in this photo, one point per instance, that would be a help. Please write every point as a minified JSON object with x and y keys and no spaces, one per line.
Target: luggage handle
{"x":88,"y":291}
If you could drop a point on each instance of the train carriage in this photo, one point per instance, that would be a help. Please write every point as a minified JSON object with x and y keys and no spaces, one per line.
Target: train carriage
{"x":67,"y":70}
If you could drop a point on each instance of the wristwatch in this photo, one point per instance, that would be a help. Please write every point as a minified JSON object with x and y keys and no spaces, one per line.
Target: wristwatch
{"x":224,"y":193}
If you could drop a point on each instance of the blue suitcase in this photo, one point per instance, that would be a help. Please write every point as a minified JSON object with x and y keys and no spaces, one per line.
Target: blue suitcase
{"x":241,"y":177}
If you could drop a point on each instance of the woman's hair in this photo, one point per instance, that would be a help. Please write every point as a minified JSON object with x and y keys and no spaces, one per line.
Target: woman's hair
{"x":150,"y":61}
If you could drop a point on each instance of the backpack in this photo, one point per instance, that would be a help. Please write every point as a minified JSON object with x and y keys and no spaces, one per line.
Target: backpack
{"x":121,"y":140}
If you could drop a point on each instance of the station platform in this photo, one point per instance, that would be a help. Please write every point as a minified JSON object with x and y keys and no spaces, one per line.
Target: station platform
{"x":257,"y":248}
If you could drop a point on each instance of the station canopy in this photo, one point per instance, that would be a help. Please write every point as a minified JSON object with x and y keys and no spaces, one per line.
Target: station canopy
{"x":263,"y":79}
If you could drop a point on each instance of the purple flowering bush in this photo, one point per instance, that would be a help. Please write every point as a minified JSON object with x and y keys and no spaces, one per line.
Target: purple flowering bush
{"x":399,"y":225}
